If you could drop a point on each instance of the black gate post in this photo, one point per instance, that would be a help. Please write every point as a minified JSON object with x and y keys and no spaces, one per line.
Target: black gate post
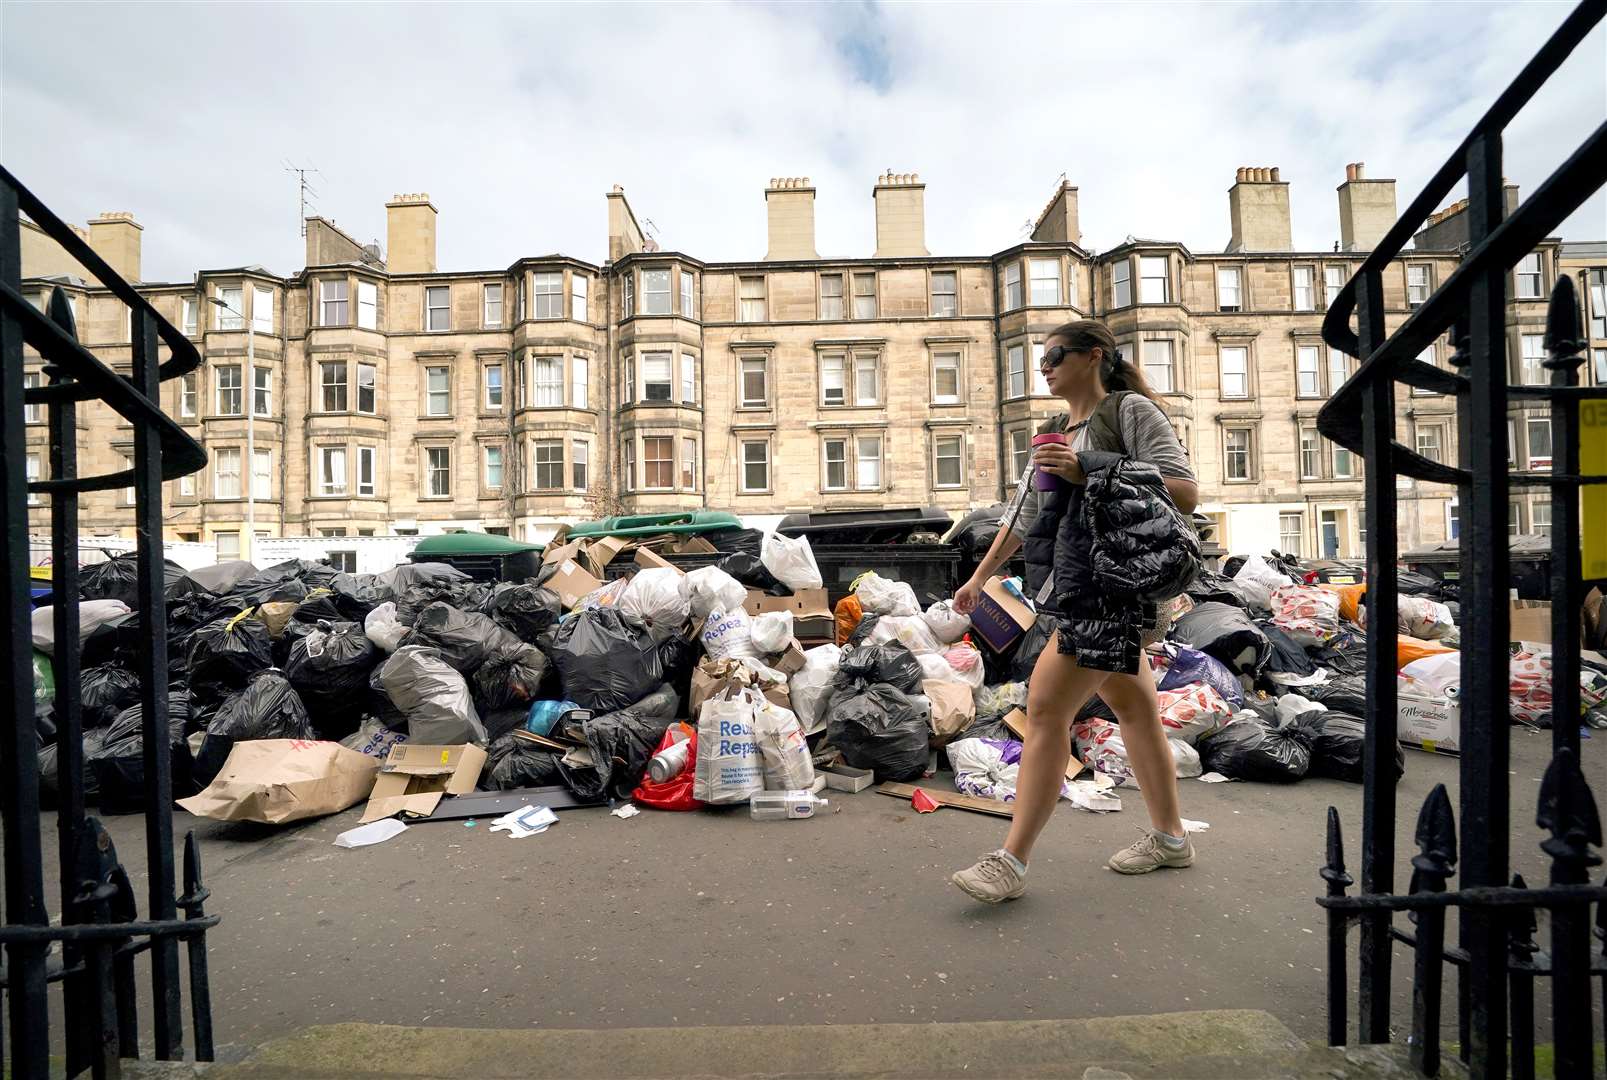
{"x":1485,"y":799}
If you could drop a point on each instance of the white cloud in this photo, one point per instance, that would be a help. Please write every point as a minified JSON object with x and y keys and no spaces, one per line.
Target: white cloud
{"x":518,"y":119}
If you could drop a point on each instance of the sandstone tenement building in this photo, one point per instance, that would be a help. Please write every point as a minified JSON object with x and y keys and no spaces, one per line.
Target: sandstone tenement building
{"x":392,"y":396}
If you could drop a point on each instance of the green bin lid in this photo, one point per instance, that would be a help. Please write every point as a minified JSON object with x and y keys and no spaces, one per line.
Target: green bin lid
{"x":472,"y":543}
{"x":688,"y":524}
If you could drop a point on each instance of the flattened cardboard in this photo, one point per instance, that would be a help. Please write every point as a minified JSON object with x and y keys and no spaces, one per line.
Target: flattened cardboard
{"x":791,"y":661}
{"x":999,"y":618}
{"x":693,"y":545}
{"x":1530,"y":620}
{"x":716,"y":678}
{"x":1016,"y":721}
{"x":415,"y":777}
{"x":602,"y":551}
{"x":651,"y":560}
{"x":273,"y":781}
{"x":572,"y":583}
{"x":557,"y":553}
{"x":811,"y":612}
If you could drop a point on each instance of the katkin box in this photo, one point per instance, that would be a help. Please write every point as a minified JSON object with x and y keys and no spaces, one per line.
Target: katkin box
{"x":1000,"y":618}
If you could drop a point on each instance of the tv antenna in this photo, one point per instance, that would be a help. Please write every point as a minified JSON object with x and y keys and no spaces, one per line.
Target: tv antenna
{"x":303,"y":191}
{"x":650,"y":227}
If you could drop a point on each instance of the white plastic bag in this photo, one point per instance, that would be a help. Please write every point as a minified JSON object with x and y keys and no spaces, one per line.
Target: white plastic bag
{"x":1439,"y":675}
{"x":383,"y":627}
{"x":811,"y":686}
{"x":879,"y":596}
{"x":772,"y":631}
{"x":1424,"y":618}
{"x":787,"y":765}
{"x":936,"y":669}
{"x":658,"y":596}
{"x":729,"y":635}
{"x":1307,"y":613}
{"x":966,"y":661}
{"x":730,"y":767}
{"x":711,"y":589}
{"x":1293,"y":705}
{"x":1257,"y":579}
{"x":948,"y":625}
{"x":92,"y":614}
{"x":791,"y":561}
{"x":1000,"y":698}
{"x":909,"y":631}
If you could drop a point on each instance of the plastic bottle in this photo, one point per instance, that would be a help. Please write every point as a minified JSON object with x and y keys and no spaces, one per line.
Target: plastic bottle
{"x":782,"y":805}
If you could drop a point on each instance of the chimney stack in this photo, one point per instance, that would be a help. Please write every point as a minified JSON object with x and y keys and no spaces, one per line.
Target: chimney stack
{"x":1258,"y":202}
{"x":790,"y":203}
{"x":115,"y":237}
{"x":410,"y":234}
{"x":900,"y":215}
{"x":1366,"y":209}
{"x":1058,"y":222}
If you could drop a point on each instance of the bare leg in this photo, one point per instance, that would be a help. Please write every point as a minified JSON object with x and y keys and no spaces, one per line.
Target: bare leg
{"x":1057,"y":689}
{"x":1132,"y":699}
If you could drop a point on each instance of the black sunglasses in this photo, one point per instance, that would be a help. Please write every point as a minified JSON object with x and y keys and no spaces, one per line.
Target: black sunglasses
{"x":1053,"y":357}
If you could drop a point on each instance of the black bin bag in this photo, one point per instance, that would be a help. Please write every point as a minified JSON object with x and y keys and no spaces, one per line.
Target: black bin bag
{"x":268,"y":708}
{"x":1337,"y":742}
{"x":1250,"y":749}
{"x":1225,"y":632}
{"x":891,"y":664}
{"x":330,"y":669}
{"x":607,"y":660}
{"x":223,"y":656}
{"x":879,"y":727}
{"x":118,"y":762}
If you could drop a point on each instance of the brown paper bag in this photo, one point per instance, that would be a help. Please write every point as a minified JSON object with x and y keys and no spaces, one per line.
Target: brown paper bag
{"x":273,"y":781}
{"x":953,"y":708}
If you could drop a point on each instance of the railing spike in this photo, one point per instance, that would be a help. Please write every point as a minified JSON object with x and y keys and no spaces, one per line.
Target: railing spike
{"x":1567,"y":810}
{"x":1564,"y":327}
{"x":1436,"y":834}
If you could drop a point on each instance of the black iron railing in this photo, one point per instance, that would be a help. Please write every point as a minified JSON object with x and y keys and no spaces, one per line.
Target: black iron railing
{"x":99,"y":934}
{"x":1497,"y":916}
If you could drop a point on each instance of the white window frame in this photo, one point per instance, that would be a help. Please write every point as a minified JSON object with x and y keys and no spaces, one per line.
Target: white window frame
{"x":656,"y":301}
{"x":1248,"y":453}
{"x":579,"y":382}
{"x":229,"y":318}
{"x":1333,"y":282}
{"x":334,"y":481}
{"x":1304,"y":293}
{"x":1146,"y":278}
{"x":1338,"y":363}
{"x":261,"y":470}
{"x":749,"y":365}
{"x":229,"y":550}
{"x":188,"y":395}
{"x":1417,"y":290}
{"x":1538,"y":509}
{"x":1529,"y":277}
{"x":367,"y":472}
{"x":1336,"y":454}
{"x":861,"y":459}
{"x":689,"y":469}
{"x":1538,"y":462}
{"x":1015,"y":372}
{"x":579,"y":297}
{"x":1308,"y":371}
{"x":948,"y":308}
{"x":431,"y":394}
{"x":1430,"y":442}
{"x":373,"y":388}
{"x":831,"y":304}
{"x":1014,"y":294}
{"x":750,"y":307}
{"x":1298,"y":532}
{"x":1020,"y":453}
{"x":1222,"y":353}
{"x":945,"y":362}
{"x":838,"y":362}
{"x":579,"y":464}
{"x":238,"y":389}
{"x":334,"y":299}
{"x":494,"y":385}
{"x":938,"y":458}
{"x":1035,"y":376}
{"x":339,"y":388}
{"x":1044,"y":278}
{"x":223,"y":471}
{"x":432,"y":471}
{"x":628,"y":298}
{"x":1310,"y":452}
{"x":491,"y":305}
{"x":688,"y":378}
{"x":744,"y":462}
{"x":1229,"y":288}
{"x":827,"y":461}
{"x":437,"y":301}
{"x":547,"y":294}
{"x":32,"y":412}
{"x":1161,"y":374}
{"x":32,"y":465}
{"x":654,"y":364}
{"x":262,"y":391}
{"x":367,"y":305}
{"x":187,"y":316}
{"x":547,"y":382}
{"x":688,"y":295}
{"x":1121,"y":282}
{"x":1531,"y":360}
{"x":490,"y":451}
{"x":867,"y":309}
{"x":668,"y":463}
{"x":867,"y":364}
{"x":261,"y":309}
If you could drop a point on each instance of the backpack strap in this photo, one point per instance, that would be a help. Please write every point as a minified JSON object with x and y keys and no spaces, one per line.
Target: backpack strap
{"x":1105,"y":425}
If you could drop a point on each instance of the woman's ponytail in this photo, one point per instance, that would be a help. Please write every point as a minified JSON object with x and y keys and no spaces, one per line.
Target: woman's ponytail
{"x":1116,"y":372}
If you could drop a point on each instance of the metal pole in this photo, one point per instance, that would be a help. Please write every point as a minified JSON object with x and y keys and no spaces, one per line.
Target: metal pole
{"x":248,"y":548}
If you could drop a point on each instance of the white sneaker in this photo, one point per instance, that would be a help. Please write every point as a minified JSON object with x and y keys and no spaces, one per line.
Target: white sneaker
{"x":993,"y":880}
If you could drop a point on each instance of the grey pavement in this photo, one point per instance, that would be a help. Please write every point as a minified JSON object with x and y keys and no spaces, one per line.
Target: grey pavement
{"x":709,"y":919}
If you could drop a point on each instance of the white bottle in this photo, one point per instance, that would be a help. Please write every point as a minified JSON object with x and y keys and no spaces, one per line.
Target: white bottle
{"x":782,"y":805}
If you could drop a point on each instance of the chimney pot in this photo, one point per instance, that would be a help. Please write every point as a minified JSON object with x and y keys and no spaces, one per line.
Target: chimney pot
{"x":1275,"y":174}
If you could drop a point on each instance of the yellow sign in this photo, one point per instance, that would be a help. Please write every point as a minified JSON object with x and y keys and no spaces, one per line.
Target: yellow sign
{"x":1593,"y":511}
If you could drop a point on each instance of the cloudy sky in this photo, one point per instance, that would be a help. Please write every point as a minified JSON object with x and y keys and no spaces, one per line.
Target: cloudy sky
{"x":517,"y":118}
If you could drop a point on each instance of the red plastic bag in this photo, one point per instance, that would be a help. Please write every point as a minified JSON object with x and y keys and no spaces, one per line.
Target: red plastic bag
{"x":675,"y":793}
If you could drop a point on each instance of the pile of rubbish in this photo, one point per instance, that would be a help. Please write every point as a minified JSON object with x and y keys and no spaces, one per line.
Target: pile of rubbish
{"x":298,"y":690}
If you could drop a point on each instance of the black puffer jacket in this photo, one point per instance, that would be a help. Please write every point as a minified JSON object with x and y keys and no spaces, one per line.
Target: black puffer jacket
{"x":1143,"y":546}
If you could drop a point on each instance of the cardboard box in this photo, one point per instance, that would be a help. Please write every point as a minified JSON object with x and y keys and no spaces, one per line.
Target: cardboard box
{"x":572,"y":583}
{"x":812,"y":619}
{"x":1429,"y":723}
{"x":557,"y":553}
{"x":716,"y":678}
{"x":692,"y":545}
{"x":999,"y":618}
{"x":790,"y":662}
{"x":1530,"y":621}
{"x":273,"y":781}
{"x":650,"y":560}
{"x":1016,"y":722}
{"x":599,"y":553}
{"x":413,"y":779}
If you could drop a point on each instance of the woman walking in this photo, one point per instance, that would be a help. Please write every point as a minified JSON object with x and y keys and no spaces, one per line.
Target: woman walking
{"x":1097,"y":646}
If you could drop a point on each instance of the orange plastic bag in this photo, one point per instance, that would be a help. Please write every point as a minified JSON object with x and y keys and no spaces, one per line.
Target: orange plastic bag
{"x":1411,"y":648}
{"x":848,"y":611}
{"x":1350,"y":601}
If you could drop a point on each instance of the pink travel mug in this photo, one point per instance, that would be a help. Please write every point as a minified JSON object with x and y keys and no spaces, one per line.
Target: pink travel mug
{"x":1047,"y":481}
